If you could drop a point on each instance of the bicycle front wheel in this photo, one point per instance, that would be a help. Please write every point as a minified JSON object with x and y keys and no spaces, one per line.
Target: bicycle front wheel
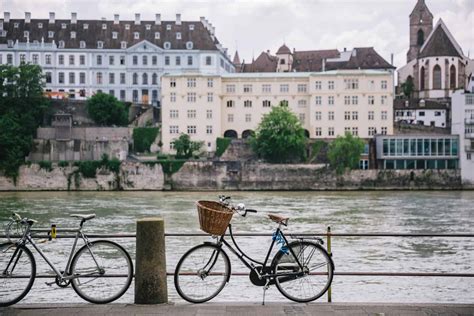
{"x":309,"y":283}
{"x":202,"y":273}
{"x":102,"y":272}
{"x":17,"y":273}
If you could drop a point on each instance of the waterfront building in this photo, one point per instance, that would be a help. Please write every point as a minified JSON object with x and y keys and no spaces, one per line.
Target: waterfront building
{"x":328,"y":104}
{"x":125,"y":58}
{"x":436,"y":63}
{"x":463,"y":125}
{"x":417,"y":151}
{"x":421,"y":112}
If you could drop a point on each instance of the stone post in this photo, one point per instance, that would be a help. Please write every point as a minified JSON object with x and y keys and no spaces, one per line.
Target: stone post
{"x":150,"y":274}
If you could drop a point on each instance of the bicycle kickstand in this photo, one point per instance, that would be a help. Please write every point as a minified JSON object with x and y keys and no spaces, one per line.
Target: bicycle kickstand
{"x":265,"y":288}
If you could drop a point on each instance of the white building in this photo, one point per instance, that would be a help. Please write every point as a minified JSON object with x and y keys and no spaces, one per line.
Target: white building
{"x":463,"y":125}
{"x":421,"y":112}
{"x":328,"y":103}
{"x":122,"y":58}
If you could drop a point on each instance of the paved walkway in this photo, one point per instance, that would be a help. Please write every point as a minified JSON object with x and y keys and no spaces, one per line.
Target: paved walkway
{"x":244,"y":309}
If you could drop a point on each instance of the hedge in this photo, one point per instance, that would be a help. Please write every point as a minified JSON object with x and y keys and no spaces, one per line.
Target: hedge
{"x":221,"y":145}
{"x":143,"y":137}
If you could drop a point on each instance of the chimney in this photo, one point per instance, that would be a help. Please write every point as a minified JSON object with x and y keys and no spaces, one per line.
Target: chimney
{"x":137,"y":18}
{"x":27,"y":17}
{"x":178,"y":19}
{"x":73,"y":18}
{"x":345,"y":49}
{"x":157,"y":19}
{"x":116,"y":18}
{"x":391,"y":59}
{"x":51,"y":18}
{"x":6,"y":17}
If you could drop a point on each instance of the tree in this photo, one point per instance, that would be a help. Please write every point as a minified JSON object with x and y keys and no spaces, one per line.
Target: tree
{"x":185,"y":147}
{"x":280,"y":137}
{"x":106,"y":110}
{"x":22,"y":107}
{"x":408,"y":86}
{"x":344,"y":153}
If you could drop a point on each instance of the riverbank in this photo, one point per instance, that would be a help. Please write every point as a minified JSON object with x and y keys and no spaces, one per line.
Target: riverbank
{"x":229,"y":175}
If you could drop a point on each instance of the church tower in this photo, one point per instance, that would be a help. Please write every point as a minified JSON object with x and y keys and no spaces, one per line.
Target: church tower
{"x":421,"y":25}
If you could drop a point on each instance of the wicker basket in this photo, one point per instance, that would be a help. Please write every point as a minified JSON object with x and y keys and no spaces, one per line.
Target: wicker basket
{"x":213,"y":217}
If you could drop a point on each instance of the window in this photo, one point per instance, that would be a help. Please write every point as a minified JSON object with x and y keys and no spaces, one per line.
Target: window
{"x":178,"y":60}
{"x":355,"y":115}
{"x":319,"y":131}
{"x":437,"y":113}
{"x":247,"y":104}
{"x":48,"y":76}
{"x":371,"y":131}
{"x":284,"y":103}
{"x":384,"y":115}
{"x":318,"y":100}
{"x":15,"y":25}
{"x":383,"y":84}
{"x":302,"y":88}
{"x":112,"y":92}
{"x":135,"y":60}
{"x":82,"y":60}
{"x":371,"y":100}
{"x":208,"y":60}
{"x":191,"y":97}
{"x":351,"y":84}
{"x":209,"y":114}
{"x":122,"y":95}
{"x":167,"y":45}
{"x":61,"y":59}
{"x":284,"y":88}
{"x":35,"y":59}
{"x":208,"y":129}
{"x":174,"y":113}
{"x":135,"y":95}
{"x":144,"y":79}
{"x":330,"y":85}
{"x":230,"y":118}
{"x":99,"y":78}
{"x":135,"y":78}
{"x":178,"y":35}
{"x":104,"y":26}
{"x":122,"y":78}
{"x":347,"y":115}
{"x":157,"y":35}
{"x":317,"y":85}
{"x":301,"y":117}
{"x":330,"y":116}
{"x":114,"y":35}
{"x":191,"y":114}
{"x":61,"y":78}
{"x":136,"y":35}
{"x":383,"y":100}
{"x":189,"y":45}
{"x":230,"y":88}
{"x":191,"y":82}
{"x":355,"y":131}
{"x":111,"y":60}
{"x":331,"y":100}
{"x":9,"y":59}
{"x":437,"y":77}
{"x":247,"y":88}
{"x":50,"y":34}
{"x":99,"y":59}
{"x":154,"y":60}
{"x":267,"y":103}
{"x":100,"y":44}
{"x":190,"y":60}
{"x":85,"y":26}
{"x":248,"y":118}
{"x":123,"y":45}
{"x":230,"y":104}
{"x":47,"y":59}
{"x":421,"y":113}
{"x":347,"y":100}
{"x":168,"y":27}
{"x":191,"y":129}
{"x":82,"y":78}
{"x":331,"y":131}
{"x":174,"y":129}
{"x":144,"y":60}
{"x":167,"y":60}
{"x":384,"y":131}
{"x":172,"y":97}
{"x":173,"y":83}
{"x":371,"y":115}
{"x":318,"y":116}
{"x":210,"y":97}
{"x":40,"y":25}
{"x":210,"y":83}
{"x":355,"y":100}
{"x":111,"y":78}
{"x":154,"y":79}
{"x":266,"y":88}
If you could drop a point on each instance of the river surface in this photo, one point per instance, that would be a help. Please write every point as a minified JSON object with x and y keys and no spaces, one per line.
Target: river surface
{"x":345,"y":212}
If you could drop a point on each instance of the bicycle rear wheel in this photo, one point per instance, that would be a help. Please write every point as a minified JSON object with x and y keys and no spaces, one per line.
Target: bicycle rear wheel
{"x":17,"y":273}
{"x":309,"y":283}
{"x":201,"y":273}
{"x":102,"y":271}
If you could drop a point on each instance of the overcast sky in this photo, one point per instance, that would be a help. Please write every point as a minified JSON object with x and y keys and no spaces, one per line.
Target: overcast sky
{"x":254,"y":26}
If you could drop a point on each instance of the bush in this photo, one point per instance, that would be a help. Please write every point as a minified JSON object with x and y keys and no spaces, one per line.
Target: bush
{"x":185,"y":147}
{"x":143,"y":137}
{"x":45,"y":165}
{"x":162,"y":157}
{"x":106,"y":110}
{"x":221,"y":145}
{"x":171,"y":166}
{"x":89,"y":168}
{"x":63,"y":163}
{"x":344,"y":153}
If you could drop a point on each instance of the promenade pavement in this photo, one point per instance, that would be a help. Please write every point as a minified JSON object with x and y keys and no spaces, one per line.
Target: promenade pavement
{"x":243,"y":309}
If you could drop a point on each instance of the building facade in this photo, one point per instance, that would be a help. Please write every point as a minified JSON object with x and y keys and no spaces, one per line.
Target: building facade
{"x":422,"y":112}
{"x":122,"y":58}
{"x":463,"y":125}
{"x":328,"y":104}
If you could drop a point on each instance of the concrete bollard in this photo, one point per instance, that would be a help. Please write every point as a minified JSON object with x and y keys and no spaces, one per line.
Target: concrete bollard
{"x":150,"y":274}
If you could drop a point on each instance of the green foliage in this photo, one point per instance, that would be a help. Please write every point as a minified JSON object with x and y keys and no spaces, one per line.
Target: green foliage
{"x":106,"y":110}
{"x":344,"y":153}
{"x":169,"y":166}
{"x":280,"y":137}
{"x":22,"y":106}
{"x":407,"y":87}
{"x":185,"y":147}
{"x":221,"y":145}
{"x":162,"y":156}
{"x":316,"y":148}
{"x":63,"y":163}
{"x":88,"y":168}
{"x":143,"y":137}
{"x":45,"y":165}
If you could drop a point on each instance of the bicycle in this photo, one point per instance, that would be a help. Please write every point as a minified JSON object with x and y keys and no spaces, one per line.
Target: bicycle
{"x":99,"y":272}
{"x":302,"y":270}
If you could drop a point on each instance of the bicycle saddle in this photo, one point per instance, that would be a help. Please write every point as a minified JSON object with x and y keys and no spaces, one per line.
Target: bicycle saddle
{"x":279,"y":219}
{"x":83,"y":216}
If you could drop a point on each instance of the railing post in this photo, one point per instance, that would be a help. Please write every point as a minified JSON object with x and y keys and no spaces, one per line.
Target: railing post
{"x":328,"y":242}
{"x":150,"y":272}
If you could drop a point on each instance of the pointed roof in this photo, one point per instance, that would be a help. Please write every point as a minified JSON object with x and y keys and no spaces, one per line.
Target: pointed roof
{"x":264,"y":63}
{"x":283,"y":50}
{"x":236,"y":60}
{"x":421,"y":6}
{"x":440,"y":43}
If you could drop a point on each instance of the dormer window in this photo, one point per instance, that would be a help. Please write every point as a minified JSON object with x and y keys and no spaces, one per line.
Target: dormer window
{"x":82,"y":44}
{"x":61,"y":44}
{"x":26,"y":34}
{"x":63,"y":26}
{"x":100,"y":44}
{"x":15,"y":25}
{"x":127,"y":26}
{"x":178,"y":35}
{"x":50,"y":34}
{"x":104,"y":26}
{"x":85,"y":26}
{"x":168,"y":27}
{"x":148,"y":27}
{"x":123,"y":45}
{"x":114,"y":35}
{"x":191,"y":27}
{"x":40,"y":25}
{"x":167,"y":45}
{"x":136,"y":35}
{"x":189,"y":45}
{"x":73,"y":34}
{"x":157,"y":35}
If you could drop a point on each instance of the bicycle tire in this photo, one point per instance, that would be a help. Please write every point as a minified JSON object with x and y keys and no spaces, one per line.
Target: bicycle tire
{"x":192,"y":267}
{"x":313,"y":257}
{"x":114,"y":274}
{"x":25,"y":266}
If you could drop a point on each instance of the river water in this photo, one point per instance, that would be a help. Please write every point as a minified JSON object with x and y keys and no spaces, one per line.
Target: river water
{"x":350,"y":212}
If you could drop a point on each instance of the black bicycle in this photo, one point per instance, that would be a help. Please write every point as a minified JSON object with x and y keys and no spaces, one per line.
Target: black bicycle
{"x":302,"y":270}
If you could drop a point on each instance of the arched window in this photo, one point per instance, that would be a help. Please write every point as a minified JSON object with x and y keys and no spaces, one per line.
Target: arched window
{"x":230,"y":133}
{"x":422,"y":78}
{"x":420,"y":38}
{"x":452,"y":77}
{"x":247,"y":133}
{"x":144,"y":79}
{"x":154,"y":79}
{"x":436,"y":77}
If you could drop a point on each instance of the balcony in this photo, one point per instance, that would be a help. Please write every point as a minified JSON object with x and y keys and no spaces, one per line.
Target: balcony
{"x":469,"y":120}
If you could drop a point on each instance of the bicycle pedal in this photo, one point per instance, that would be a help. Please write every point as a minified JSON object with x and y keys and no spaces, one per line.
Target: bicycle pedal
{"x":50,"y":283}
